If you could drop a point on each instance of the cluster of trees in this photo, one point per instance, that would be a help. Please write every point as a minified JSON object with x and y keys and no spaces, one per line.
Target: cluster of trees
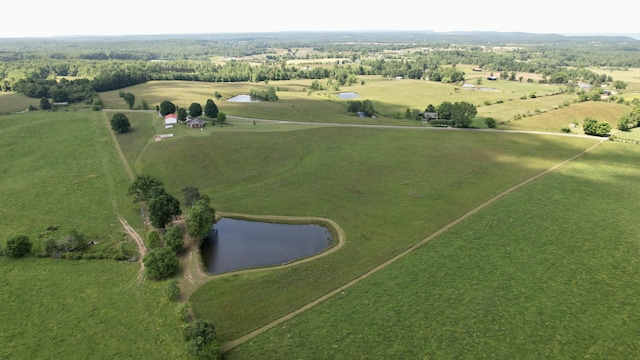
{"x":162,"y":207}
{"x":264,"y":95}
{"x":210,"y":110}
{"x":592,"y":126}
{"x":365,"y":106}
{"x":458,"y":114}
{"x":630,"y":120}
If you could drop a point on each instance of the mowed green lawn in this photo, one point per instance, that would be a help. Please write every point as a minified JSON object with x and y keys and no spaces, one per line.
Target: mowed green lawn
{"x":548,"y":272}
{"x":62,"y":309}
{"x":387,"y":188}
{"x":61,"y":169}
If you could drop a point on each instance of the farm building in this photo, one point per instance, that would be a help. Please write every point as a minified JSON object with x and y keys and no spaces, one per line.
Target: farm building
{"x":428,"y":116}
{"x":171,"y":119}
{"x":195,"y":123}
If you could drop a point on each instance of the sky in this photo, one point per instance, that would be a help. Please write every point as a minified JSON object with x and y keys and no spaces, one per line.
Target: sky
{"x":40,"y":18}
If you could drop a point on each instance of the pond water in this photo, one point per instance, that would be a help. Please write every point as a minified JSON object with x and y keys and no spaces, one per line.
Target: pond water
{"x":240,"y":244}
{"x":348,"y":95}
{"x":243,"y":98}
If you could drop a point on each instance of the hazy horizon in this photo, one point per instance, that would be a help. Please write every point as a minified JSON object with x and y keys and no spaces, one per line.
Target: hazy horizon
{"x":119,"y":17}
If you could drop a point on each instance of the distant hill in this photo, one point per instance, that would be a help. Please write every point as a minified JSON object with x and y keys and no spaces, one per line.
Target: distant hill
{"x":426,"y":36}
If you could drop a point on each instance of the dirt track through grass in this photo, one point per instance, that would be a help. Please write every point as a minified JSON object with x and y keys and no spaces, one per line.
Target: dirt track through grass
{"x":234,"y":343}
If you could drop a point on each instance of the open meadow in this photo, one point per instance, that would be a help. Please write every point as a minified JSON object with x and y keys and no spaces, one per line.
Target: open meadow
{"x":387,"y":188}
{"x":550,"y":271}
{"x":62,"y":172}
{"x":546,"y":270}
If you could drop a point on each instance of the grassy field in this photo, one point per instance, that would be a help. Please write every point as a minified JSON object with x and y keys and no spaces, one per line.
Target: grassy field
{"x":388,"y":189}
{"x":548,"y":272}
{"x":391,"y":98}
{"x":553,"y":121}
{"x":14,"y":102}
{"x":61,"y":169}
{"x":61,"y":309}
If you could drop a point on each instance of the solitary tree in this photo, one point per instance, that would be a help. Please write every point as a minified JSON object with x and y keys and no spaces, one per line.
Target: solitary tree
{"x":45,"y":104}
{"x":142,"y":186}
{"x":130,"y":99}
{"x":160,"y":263}
{"x":462,"y":113}
{"x":191,"y":195}
{"x":619,"y":85}
{"x":210,"y":109}
{"x":167,"y":107}
{"x":173,"y":238}
{"x":222,"y":117}
{"x":201,"y":218}
{"x":18,"y":246}
{"x":195,"y":109}
{"x":163,"y":209}
{"x":182,"y":114}
{"x":120,"y":123}
{"x":201,"y":339}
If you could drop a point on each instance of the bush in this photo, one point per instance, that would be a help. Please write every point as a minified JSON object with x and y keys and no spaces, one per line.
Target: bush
{"x":490,"y":122}
{"x":201,"y":339}
{"x":19,"y":246}
{"x":172,"y":290}
{"x":160,"y":263}
{"x":566,"y":129}
{"x":153,"y":240}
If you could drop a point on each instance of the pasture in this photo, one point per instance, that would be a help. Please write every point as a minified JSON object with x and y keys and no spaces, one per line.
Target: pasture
{"x":388,"y":189}
{"x":62,"y":309}
{"x":63,"y":171}
{"x":547,"y":272}
{"x":481,"y":288}
{"x":15,"y":102}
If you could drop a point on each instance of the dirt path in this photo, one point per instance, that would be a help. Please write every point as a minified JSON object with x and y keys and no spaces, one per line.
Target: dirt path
{"x":234,"y":343}
{"x":117,"y":146}
{"x":142,"y":249}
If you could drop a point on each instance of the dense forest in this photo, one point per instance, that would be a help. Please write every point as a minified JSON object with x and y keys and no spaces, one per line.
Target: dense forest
{"x":75,"y":69}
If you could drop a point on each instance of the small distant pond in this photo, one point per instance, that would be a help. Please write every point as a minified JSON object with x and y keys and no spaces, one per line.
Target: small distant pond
{"x":240,"y":244}
{"x":243,"y":98}
{"x":348,"y":95}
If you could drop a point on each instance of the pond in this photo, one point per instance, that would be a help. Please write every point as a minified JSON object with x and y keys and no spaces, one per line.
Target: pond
{"x":243,"y":98}
{"x":348,"y":95}
{"x":241,"y":244}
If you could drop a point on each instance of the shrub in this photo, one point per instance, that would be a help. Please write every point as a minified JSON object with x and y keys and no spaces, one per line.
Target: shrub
{"x":160,"y":263}
{"x":490,"y":122}
{"x":19,"y":246}
{"x":172,"y":290}
{"x":566,"y":129}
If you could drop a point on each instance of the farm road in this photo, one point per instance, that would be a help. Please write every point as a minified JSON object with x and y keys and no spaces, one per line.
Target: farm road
{"x":234,"y":343}
{"x":432,"y":128}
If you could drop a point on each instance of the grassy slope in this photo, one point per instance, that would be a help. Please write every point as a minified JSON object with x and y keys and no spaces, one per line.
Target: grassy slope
{"x":548,"y":272}
{"x":61,"y":170}
{"x":388,"y":189}
{"x":63,"y":309}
